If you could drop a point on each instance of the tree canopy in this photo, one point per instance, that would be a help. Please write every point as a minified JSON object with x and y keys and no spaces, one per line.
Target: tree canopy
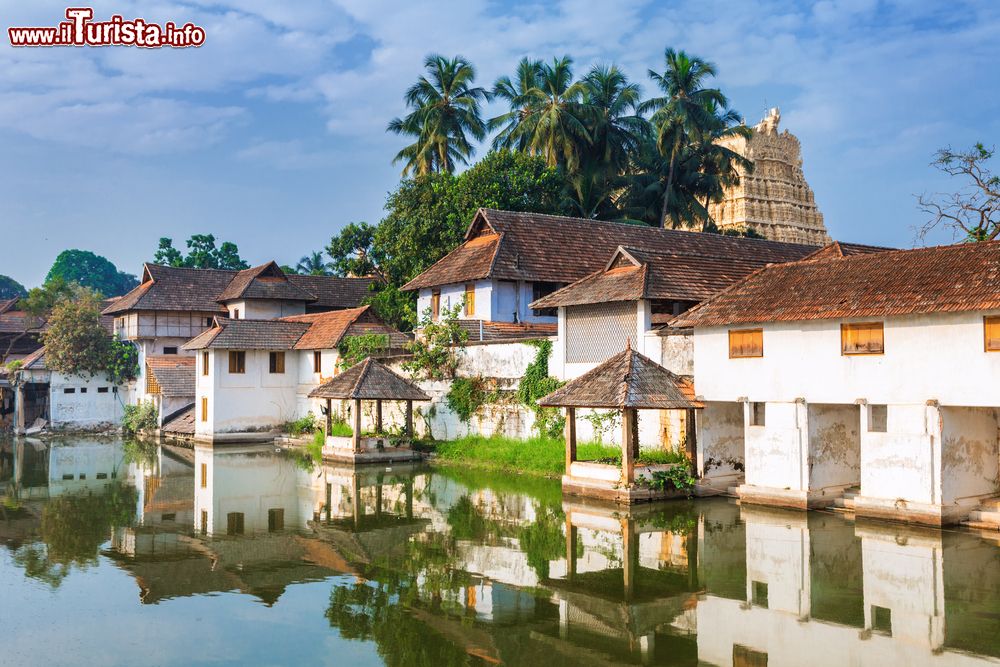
{"x":202,"y":254}
{"x":93,"y":271}
{"x":974,"y":210}
{"x":10,"y":288}
{"x":75,"y":341}
{"x":426,"y":218}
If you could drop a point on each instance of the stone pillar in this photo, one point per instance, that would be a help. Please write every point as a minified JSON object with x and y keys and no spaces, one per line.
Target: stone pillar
{"x":629,"y":445}
{"x":378,"y":415}
{"x":570,"y":433}
{"x":356,"y":437}
{"x":19,"y":409}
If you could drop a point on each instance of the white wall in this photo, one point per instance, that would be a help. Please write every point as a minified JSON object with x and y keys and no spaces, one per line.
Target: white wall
{"x":834,"y":447}
{"x":720,"y":439}
{"x":496,"y":301}
{"x":265,"y":309}
{"x":239,"y":402}
{"x":969,"y":453}
{"x":87,"y":406}
{"x":926,"y":357}
{"x":776,"y":453}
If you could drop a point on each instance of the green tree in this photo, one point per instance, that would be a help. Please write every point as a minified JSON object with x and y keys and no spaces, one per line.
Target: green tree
{"x":445,"y":113}
{"x":313,"y":264}
{"x":75,"y":341}
{"x":36,"y":306}
{"x":11,"y":289}
{"x":682,"y":113}
{"x":558,"y":115}
{"x":516,"y":126}
{"x":90,"y":270}
{"x":202,"y":254}
{"x":352,"y":251}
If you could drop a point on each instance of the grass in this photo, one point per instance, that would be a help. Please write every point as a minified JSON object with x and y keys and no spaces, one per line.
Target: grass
{"x":538,"y":455}
{"x":341,"y":429}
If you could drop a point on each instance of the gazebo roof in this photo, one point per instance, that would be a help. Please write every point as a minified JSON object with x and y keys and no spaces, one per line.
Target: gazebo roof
{"x":370,"y":380}
{"x":626,"y":380}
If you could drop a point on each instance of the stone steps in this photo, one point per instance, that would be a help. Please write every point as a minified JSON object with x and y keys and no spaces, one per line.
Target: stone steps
{"x":985,"y":517}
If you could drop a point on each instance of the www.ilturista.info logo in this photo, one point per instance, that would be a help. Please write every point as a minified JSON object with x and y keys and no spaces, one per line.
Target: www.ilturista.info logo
{"x":80,"y":30}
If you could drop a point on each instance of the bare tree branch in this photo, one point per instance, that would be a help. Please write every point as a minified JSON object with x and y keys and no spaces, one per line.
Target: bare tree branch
{"x":974,"y":211}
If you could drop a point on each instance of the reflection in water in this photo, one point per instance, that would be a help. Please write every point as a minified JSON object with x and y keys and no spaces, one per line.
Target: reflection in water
{"x":405,"y":565}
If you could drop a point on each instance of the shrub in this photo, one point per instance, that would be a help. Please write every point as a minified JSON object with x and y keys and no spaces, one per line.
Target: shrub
{"x":301,"y":425}
{"x":141,"y":417}
{"x":466,"y":396}
{"x":436,"y":351}
{"x":676,"y":478}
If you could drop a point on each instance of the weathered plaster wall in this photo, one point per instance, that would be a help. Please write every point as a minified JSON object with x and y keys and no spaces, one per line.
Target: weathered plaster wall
{"x":803,"y":359}
{"x":86,"y":407}
{"x":777,"y":550}
{"x":677,"y":352}
{"x":904,"y":462}
{"x":776,"y":452}
{"x":265,"y":309}
{"x":720,"y":439}
{"x":969,"y":454}
{"x":834,"y":447}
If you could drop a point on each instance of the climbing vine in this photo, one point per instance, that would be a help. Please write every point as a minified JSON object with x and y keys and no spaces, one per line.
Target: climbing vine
{"x":436,"y":350}
{"x":466,"y":396}
{"x":355,"y":349}
{"x":537,"y":383}
{"x":122,"y":361}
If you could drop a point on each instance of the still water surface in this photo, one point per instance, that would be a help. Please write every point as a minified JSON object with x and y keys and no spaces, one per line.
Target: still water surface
{"x":125,"y":553}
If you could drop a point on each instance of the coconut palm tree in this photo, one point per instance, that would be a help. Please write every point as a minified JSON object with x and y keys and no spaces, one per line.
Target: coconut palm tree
{"x":615,"y":125}
{"x":559,"y":116}
{"x":313,"y":265}
{"x":517,"y":125}
{"x":684,"y":111}
{"x":445,"y":113}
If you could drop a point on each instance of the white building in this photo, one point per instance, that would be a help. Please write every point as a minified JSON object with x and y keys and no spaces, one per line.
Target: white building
{"x":172,"y":305}
{"x":873,"y":375}
{"x":253,"y":375}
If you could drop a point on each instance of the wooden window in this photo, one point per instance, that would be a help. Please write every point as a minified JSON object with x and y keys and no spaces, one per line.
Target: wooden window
{"x":204,"y":522}
{"x":878,"y":418}
{"x":204,"y":475}
{"x":757,"y":413}
{"x":470,"y":300}
{"x":276,"y":362}
{"x":275,"y":519}
{"x":745,"y":343}
{"x":236,"y":313}
{"x":540,"y":289}
{"x":744,"y":656}
{"x":234,"y":523}
{"x":317,"y":362}
{"x":991,"y":332}
{"x":862,"y":338}
{"x":208,"y":322}
{"x":204,"y":363}
{"x":170,"y":350}
{"x":237,"y":362}
{"x":204,"y":408}
{"x":435,"y":304}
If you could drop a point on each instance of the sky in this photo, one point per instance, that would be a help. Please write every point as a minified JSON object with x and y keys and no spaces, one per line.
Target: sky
{"x":272,"y":134}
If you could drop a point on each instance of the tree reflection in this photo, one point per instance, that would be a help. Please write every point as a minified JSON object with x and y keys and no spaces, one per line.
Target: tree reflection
{"x":74,"y":526}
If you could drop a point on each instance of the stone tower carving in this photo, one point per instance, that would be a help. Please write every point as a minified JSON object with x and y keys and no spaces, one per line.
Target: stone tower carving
{"x":774,"y":200}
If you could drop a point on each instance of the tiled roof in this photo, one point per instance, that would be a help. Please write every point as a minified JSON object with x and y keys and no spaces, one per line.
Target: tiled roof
{"x":14,"y":321}
{"x":34,"y":361}
{"x":7,"y":304}
{"x":199,"y":290}
{"x":486,"y":331}
{"x":175,"y":375}
{"x":266,"y":281}
{"x":626,"y":380}
{"x":955,"y":278}
{"x":181,"y":423}
{"x":531,"y":246}
{"x":838,"y":249}
{"x":370,"y":380}
{"x":663,"y":270}
{"x":249,"y":335}
{"x":327,"y":330}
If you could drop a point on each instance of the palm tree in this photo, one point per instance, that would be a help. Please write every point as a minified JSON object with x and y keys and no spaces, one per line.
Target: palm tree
{"x":615,"y":125}
{"x":517,"y":125}
{"x":445,"y":112}
{"x":558,"y":116}
{"x":683,"y":112}
{"x":313,"y":265}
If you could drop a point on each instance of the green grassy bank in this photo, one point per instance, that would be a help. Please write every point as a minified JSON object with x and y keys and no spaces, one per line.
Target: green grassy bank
{"x":535,"y":456}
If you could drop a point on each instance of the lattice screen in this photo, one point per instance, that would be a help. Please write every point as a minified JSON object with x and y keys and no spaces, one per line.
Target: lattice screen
{"x":596,"y":332}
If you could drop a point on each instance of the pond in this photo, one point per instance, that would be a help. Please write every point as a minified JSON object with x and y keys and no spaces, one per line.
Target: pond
{"x":131,"y":553}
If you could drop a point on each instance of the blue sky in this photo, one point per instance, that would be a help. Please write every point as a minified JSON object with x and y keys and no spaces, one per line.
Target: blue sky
{"x":272,"y":134}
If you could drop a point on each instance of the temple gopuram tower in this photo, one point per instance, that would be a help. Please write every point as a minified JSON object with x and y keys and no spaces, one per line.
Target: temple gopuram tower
{"x":774,"y":200}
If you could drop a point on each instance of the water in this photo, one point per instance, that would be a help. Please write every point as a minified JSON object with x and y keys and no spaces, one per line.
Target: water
{"x":125,"y":553}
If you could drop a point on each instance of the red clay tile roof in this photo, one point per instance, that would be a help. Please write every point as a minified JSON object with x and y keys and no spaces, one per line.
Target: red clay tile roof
{"x":838,"y":249}
{"x":955,"y":278}
{"x":175,"y":375}
{"x":370,"y":380}
{"x":266,"y":281}
{"x":531,"y":246}
{"x":199,"y":290}
{"x":485,"y":331}
{"x":181,"y":423}
{"x":664,"y":270}
{"x":626,"y":380}
{"x":327,"y":330}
